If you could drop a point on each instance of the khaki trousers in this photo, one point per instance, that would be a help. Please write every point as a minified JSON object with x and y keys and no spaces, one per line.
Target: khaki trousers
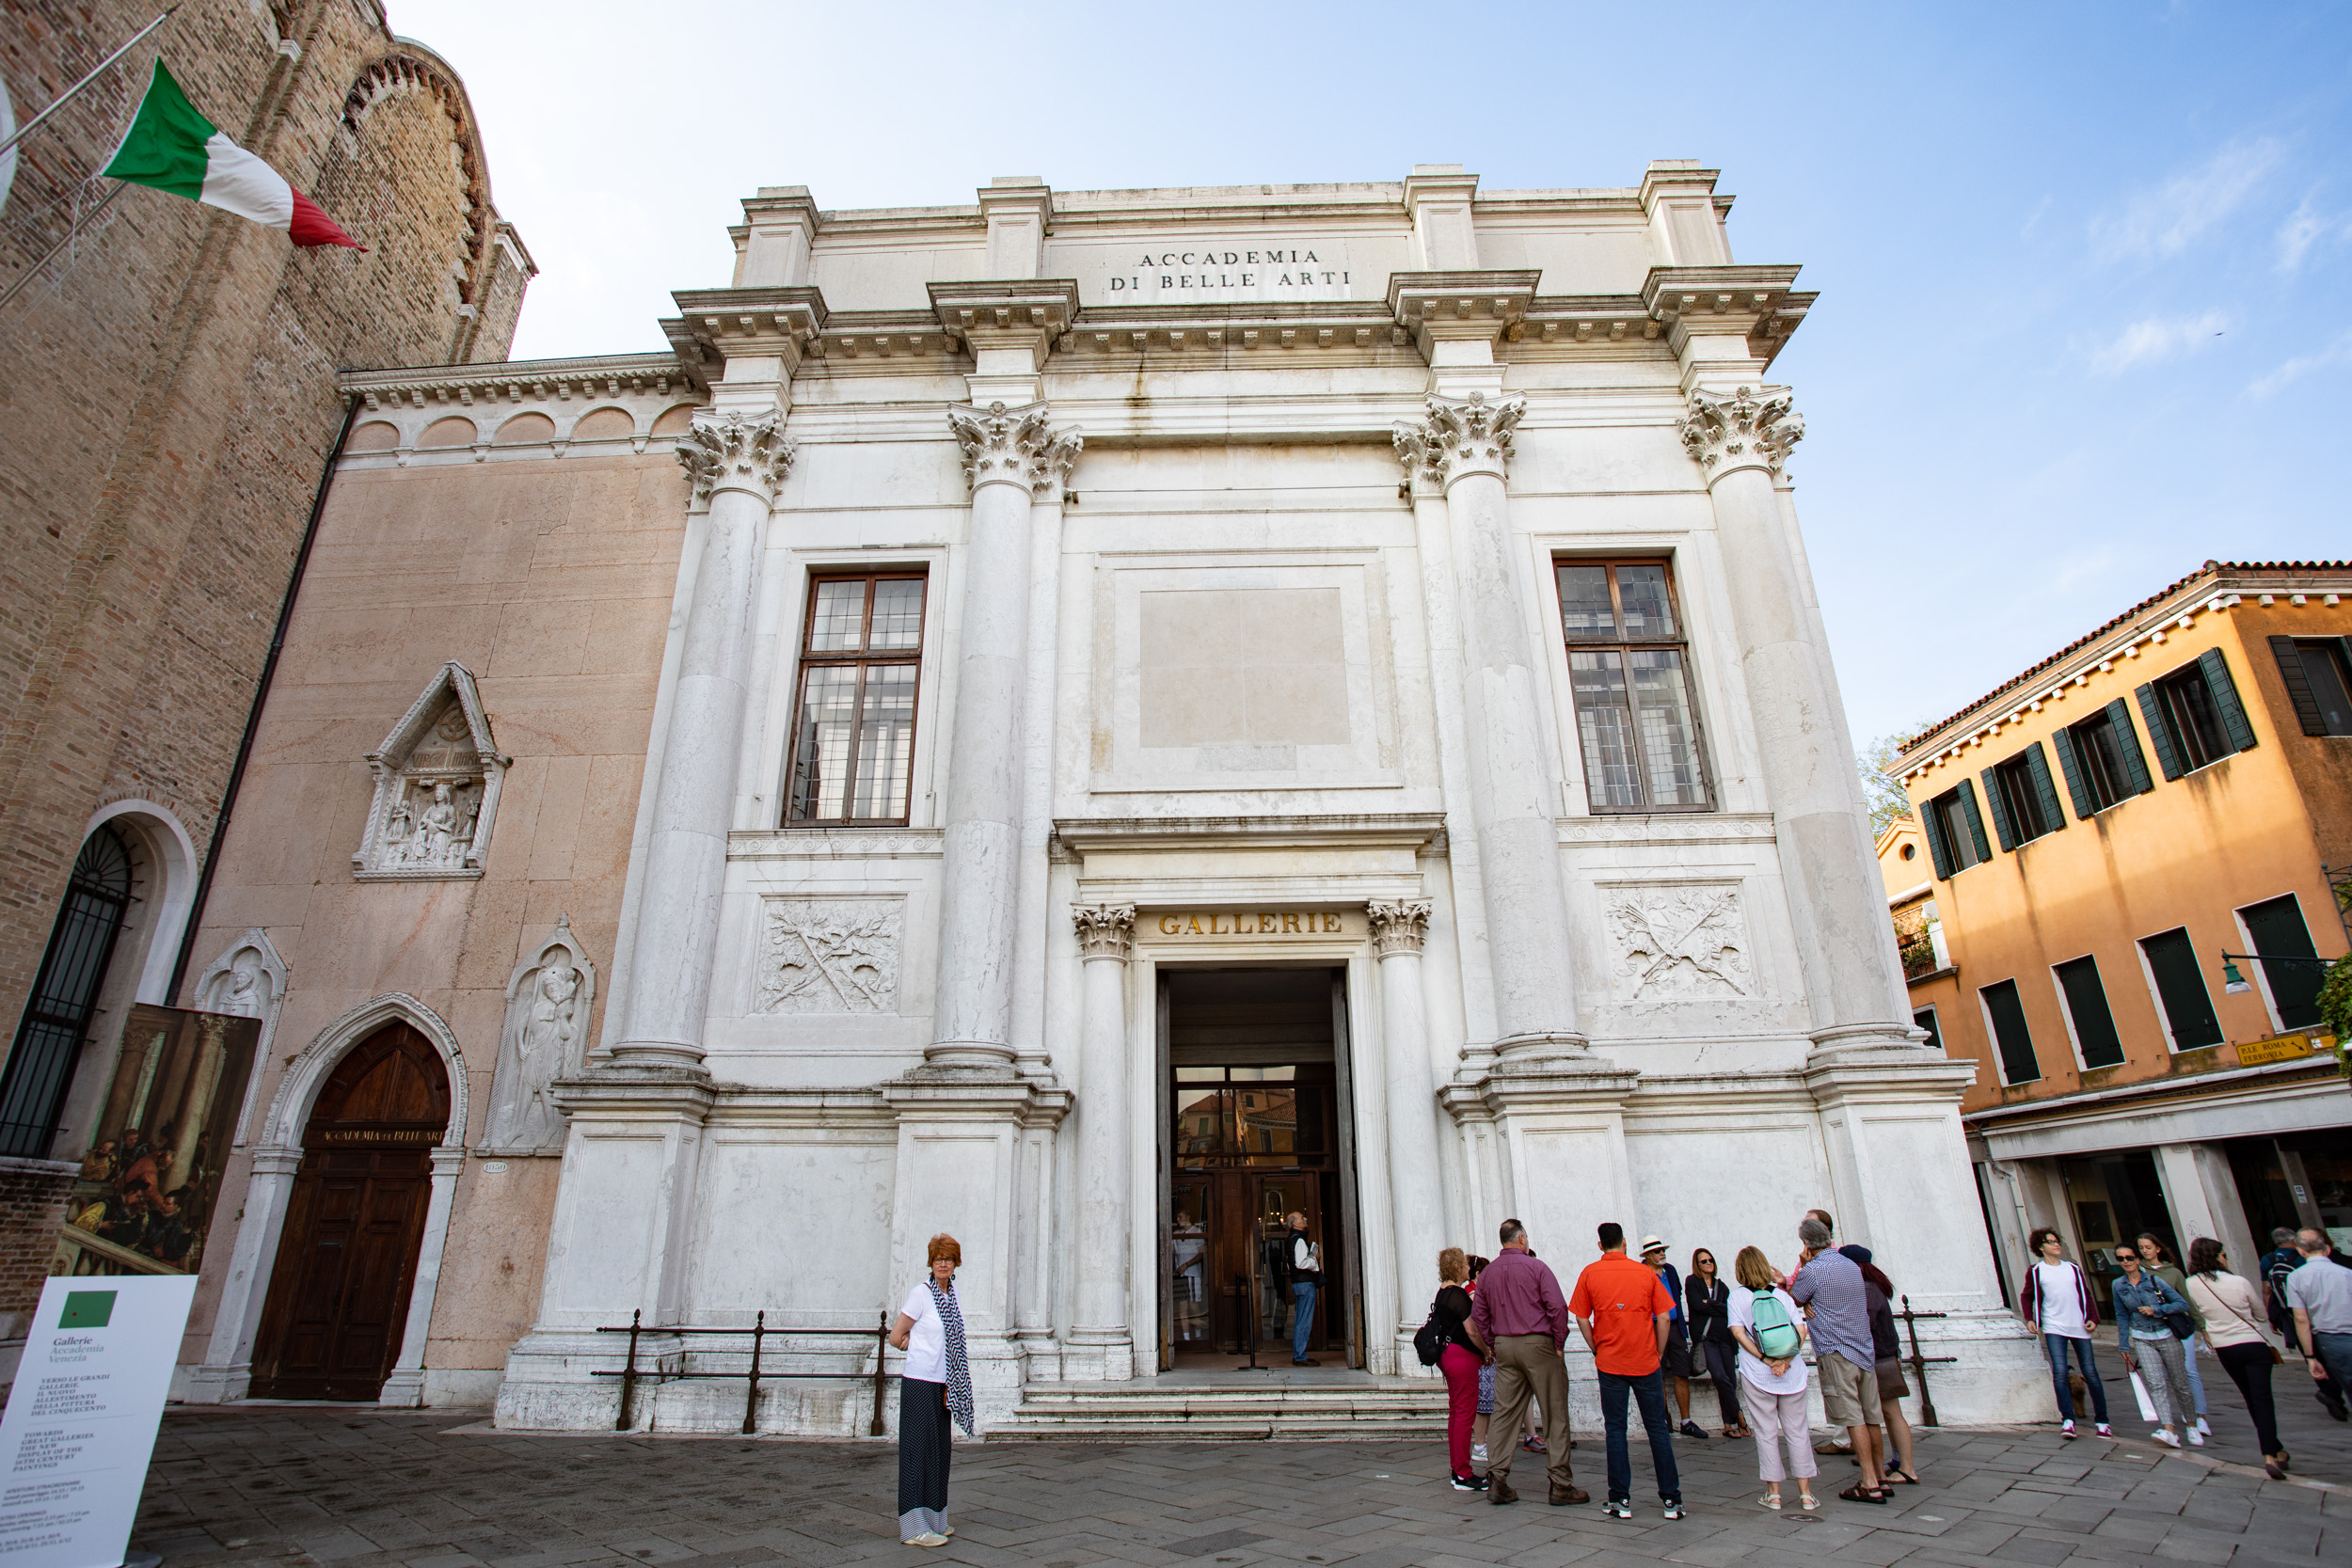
{"x":1529,"y":1366}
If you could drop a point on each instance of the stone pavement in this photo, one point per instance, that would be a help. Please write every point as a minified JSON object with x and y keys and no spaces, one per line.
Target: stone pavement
{"x":357,"y":1487}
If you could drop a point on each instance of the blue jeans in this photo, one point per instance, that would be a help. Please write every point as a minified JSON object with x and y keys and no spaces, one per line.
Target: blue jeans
{"x":1649,"y":1391}
{"x":1302,"y":1319}
{"x":2055,"y":1345}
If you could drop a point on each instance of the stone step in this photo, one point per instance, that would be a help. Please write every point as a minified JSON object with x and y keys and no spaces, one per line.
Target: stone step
{"x":1310,"y":1413}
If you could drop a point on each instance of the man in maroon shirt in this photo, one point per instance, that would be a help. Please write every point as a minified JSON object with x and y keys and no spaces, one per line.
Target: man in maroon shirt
{"x":1522,"y":1316}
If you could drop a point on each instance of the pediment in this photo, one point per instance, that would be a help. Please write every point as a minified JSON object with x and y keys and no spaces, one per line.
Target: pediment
{"x":444,"y":731}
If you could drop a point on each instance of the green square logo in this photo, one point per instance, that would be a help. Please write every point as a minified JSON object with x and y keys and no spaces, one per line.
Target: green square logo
{"x":88,"y":1310}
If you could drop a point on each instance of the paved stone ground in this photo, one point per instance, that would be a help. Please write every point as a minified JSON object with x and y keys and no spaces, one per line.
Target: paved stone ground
{"x":353,"y":1487}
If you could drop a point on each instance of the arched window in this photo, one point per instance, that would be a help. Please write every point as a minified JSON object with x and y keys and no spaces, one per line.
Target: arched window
{"x":57,"y":1015}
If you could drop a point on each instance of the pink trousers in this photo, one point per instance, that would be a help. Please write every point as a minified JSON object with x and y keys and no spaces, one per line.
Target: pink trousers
{"x":1773,"y":1419}
{"x":1461,"y":1405}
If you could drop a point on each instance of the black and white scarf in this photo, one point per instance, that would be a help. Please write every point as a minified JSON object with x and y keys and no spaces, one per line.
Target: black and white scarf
{"x":959,"y":1364}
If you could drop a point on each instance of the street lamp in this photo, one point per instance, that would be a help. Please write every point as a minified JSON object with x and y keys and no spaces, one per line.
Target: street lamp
{"x":2234,"y":979}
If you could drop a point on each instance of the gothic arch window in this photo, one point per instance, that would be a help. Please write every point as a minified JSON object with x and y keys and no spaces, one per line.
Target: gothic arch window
{"x":437,"y":789}
{"x":65,"y":994}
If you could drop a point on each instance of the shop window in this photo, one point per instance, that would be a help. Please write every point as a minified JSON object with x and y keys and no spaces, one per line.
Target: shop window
{"x":1955,"y":830}
{"x":2101,"y":760}
{"x":2024,"y":803}
{"x":2194,"y":716}
{"x":2180,"y":990}
{"x":2086,"y":1012}
{"x":853,"y":732}
{"x":2004,"y":1012}
{"x":2275,"y":931}
{"x":1628,"y":674}
{"x":2318,"y":682}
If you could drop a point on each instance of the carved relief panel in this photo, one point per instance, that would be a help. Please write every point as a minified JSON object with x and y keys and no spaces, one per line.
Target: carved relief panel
{"x":548,"y":998}
{"x":1678,"y":940}
{"x":437,"y":789}
{"x":829,"y":955}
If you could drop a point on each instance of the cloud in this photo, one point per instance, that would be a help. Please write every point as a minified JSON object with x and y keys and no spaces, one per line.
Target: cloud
{"x":2157,"y":338}
{"x":2162,"y":222}
{"x":2306,"y":227}
{"x":2337,"y":352}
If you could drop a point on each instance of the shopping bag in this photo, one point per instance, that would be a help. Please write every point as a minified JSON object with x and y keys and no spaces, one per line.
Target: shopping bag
{"x":2147,"y":1406}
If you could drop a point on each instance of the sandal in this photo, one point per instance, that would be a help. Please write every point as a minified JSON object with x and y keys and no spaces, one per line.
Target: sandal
{"x":1771,"y":1500}
{"x":1858,"y":1493}
{"x":1809,"y":1502}
{"x":1901,"y":1477}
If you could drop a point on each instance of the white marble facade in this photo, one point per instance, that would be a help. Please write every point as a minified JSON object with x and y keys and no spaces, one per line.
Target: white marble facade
{"x":1237,"y":512}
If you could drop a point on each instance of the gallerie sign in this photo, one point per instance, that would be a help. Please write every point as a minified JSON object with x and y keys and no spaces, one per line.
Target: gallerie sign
{"x":1249,"y":922}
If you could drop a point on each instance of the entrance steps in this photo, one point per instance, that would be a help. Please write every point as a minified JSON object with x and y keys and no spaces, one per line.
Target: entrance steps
{"x":1228,"y":1409}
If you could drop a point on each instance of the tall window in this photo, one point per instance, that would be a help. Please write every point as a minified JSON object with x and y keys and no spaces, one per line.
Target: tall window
{"x":2276,"y":928}
{"x":2318,"y":681}
{"x":1628,"y":670}
{"x":2181,"y":994}
{"x":65,"y":995}
{"x":2024,"y":803}
{"x":2086,"y":1011}
{"x":1925,"y":1019}
{"x":2101,"y":760}
{"x":2006,"y":1013}
{"x":854,"y":737}
{"x":2194,"y":716}
{"x":1955,"y":830}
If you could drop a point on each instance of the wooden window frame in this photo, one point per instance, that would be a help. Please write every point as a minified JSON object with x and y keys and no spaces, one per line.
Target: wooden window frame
{"x":862,"y":658}
{"x":1620,"y":644}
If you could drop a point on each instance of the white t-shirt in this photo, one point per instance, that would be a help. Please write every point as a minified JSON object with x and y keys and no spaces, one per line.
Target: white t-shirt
{"x":927,"y":1341}
{"x":2062,"y":1309}
{"x":1753,"y":1366}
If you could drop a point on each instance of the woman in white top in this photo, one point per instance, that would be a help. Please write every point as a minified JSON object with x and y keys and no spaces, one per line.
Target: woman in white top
{"x":1773,"y":1390}
{"x":934,"y":1383}
{"x":2057,"y":1300}
{"x":2233,"y":1318}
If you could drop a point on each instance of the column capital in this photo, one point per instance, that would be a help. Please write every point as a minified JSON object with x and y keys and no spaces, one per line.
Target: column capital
{"x":732,"y":452}
{"x":1458,"y":438}
{"x":1748,"y":428}
{"x":1398,"y":926}
{"x":1104,"y":930}
{"x":1014,"y":445}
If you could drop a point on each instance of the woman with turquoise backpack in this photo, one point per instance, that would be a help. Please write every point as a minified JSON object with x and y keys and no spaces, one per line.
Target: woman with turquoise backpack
{"x":1771,"y":1337}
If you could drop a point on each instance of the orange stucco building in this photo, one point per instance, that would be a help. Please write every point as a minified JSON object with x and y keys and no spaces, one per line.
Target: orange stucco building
{"x":2123,"y":875}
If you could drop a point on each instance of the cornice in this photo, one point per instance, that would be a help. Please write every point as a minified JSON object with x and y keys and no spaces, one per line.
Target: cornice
{"x":521,"y":380}
{"x":1421,"y":831}
{"x":714,"y":325}
{"x":1756,"y":303}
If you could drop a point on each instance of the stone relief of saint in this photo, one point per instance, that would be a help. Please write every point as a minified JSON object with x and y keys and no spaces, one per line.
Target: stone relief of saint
{"x":546,"y":1013}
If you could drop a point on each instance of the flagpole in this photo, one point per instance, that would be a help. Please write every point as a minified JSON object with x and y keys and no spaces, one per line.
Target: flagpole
{"x":34,"y":271}
{"x":31,"y":125}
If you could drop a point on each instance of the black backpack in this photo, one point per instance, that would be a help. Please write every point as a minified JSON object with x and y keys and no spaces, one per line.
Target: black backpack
{"x":1429,"y":1341}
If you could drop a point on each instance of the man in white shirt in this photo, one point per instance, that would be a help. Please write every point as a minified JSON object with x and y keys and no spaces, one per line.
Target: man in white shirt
{"x":2321,"y":1295}
{"x":1306,"y":1279}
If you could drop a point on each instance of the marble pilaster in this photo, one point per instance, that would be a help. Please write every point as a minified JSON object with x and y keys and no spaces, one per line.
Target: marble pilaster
{"x":1102,"y":1338}
{"x":1416,"y":1202}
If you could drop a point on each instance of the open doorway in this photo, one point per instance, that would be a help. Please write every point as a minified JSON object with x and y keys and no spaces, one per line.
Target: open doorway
{"x":1255,"y":1127}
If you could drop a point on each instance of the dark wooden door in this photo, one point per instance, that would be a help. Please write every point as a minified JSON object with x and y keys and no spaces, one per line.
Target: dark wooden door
{"x":347,"y":1259}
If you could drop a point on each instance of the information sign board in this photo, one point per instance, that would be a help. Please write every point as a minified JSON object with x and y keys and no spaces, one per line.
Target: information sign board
{"x":81,"y":1422}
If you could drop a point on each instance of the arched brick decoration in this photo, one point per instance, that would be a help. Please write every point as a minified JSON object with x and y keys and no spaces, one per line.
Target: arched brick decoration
{"x":451,"y":431}
{"x":374,"y":436}
{"x":604,"y":424}
{"x":524,"y":429}
{"x":675,"y":422}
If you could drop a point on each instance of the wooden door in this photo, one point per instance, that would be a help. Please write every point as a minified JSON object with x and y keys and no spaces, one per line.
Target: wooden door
{"x":347,"y":1259}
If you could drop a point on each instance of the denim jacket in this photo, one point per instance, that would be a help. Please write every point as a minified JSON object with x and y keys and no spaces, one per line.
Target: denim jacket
{"x":2130,"y":1298}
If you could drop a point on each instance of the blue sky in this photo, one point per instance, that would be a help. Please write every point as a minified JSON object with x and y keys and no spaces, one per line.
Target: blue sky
{"x":2085,"y":270}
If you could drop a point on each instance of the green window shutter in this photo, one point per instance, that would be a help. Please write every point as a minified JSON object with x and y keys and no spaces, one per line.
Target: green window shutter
{"x":2127,"y":742}
{"x":2039,"y":766}
{"x":2234,"y":720}
{"x":2166,"y":757}
{"x":1932,"y":824}
{"x":2187,"y":1005}
{"x":2003,"y":828}
{"x":2087,"y":1004}
{"x":2010,"y":1037}
{"x":2062,"y":742}
{"x":2298,"y":684}
{"x":1976,"y":820}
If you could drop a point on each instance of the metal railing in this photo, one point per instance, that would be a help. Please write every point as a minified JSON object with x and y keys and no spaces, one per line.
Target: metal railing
{"x":631,"y":1373}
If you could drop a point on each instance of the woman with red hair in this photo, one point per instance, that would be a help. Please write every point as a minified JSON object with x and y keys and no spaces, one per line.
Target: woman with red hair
{"x":934,"y":1385}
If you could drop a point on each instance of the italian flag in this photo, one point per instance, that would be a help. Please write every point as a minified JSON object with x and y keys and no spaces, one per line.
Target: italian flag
{"x":172,"y":148}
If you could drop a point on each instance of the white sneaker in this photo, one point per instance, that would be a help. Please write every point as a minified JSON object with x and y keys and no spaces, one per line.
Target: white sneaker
{"x":2104,"y":1430}
{"x":2066,"y":1428}
{"x":2202,"y":1428}
{"x":1478,"y":1454}
{"x":2163,"y":1435}
{"x":2196,"y":1438}
{"x":928,"y":1538}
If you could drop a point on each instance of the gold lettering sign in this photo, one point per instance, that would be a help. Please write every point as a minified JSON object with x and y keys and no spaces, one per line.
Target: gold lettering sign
{"x":1249,"y":922}
{"x":2280,"y":1048}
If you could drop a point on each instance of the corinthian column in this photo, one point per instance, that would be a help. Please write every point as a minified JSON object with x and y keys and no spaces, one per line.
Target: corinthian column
{"x":1105,"y":1185}
{"x":1397,"y":929}
{"x":736,"y":464}
{"x":1010,"y":457}
{"x":1461,"y":446}
{"x":1742,"y":439}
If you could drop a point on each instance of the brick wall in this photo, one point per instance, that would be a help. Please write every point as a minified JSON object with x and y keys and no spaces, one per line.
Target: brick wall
{"x":171,"y":394}
{"x":32,"y":1206}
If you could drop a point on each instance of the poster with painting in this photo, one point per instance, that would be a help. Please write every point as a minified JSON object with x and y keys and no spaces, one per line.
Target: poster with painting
{"x":144,"y":1201}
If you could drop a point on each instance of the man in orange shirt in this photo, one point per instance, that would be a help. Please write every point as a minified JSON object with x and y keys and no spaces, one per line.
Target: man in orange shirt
{"x":1623,"y":1313}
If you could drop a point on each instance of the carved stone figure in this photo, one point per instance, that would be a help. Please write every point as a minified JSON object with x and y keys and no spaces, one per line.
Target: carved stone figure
{"x":436,"y":788}
{"x":548,"y":1000}
{"x":246,"y":980}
